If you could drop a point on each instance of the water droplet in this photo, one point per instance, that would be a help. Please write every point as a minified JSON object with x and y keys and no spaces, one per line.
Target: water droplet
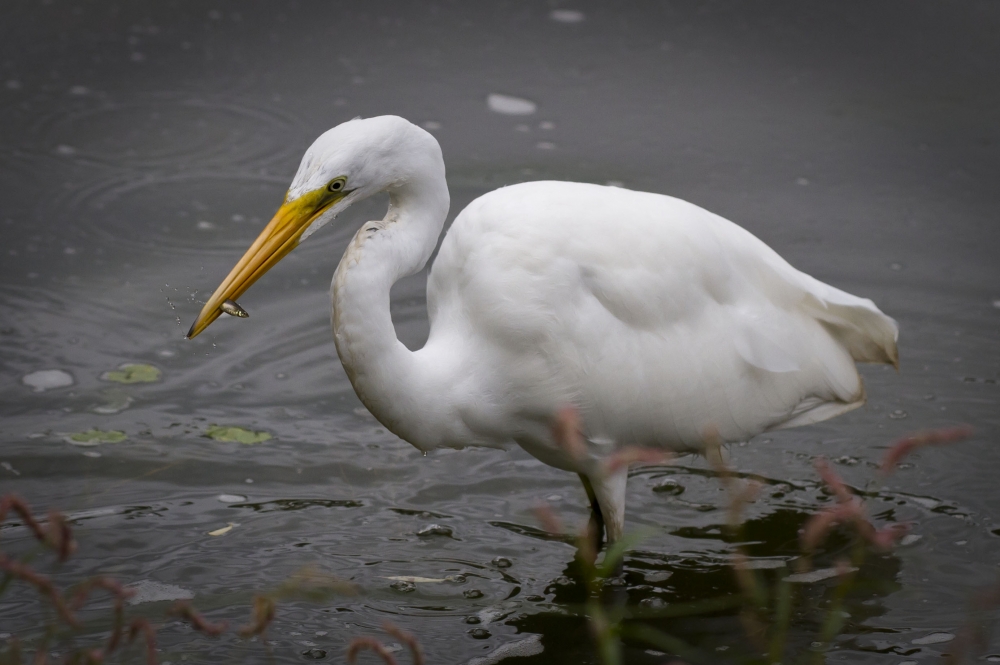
{"x":502,"y":562}
{"x":473,"y":619}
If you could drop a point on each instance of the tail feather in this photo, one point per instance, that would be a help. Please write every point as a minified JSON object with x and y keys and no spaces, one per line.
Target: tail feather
{"x":868,"y":335}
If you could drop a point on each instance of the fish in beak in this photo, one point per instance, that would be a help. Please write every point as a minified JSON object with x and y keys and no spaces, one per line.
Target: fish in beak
{"x":279,"y":237}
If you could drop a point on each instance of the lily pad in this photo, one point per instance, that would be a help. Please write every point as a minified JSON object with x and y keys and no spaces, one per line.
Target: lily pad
{"x":133,"y":373}
{"x":115,"y":401}
{"x":238,"y":434}
{"x":95,"y":437}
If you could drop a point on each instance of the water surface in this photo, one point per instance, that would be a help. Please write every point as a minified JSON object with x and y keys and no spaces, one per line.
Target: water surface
{"x":142,"y":148}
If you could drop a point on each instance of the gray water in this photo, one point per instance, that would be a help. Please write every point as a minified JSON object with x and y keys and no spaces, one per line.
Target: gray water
{"x":144,"y":145}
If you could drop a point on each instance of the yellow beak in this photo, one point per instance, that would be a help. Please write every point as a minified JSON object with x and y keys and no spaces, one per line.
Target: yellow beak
{"x":279,"y":237}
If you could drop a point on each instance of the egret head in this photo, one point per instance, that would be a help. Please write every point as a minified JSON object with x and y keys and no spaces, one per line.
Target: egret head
{"x":348,"y":163}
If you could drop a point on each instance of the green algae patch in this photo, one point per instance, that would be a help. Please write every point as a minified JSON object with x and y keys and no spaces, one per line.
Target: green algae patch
{"x":237,"y":434}
{"x":95,"y":437}
{"x":133,"y":373}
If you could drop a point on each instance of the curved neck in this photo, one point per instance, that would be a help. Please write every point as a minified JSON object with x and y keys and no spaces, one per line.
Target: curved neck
{"x":382,"y":370}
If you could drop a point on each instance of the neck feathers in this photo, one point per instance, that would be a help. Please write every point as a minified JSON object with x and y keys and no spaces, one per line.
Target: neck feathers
{"x":382,"y":370}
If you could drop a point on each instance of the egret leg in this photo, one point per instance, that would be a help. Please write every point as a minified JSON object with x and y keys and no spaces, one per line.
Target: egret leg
{"x":610,"y":493}
{"x":596,"y":526}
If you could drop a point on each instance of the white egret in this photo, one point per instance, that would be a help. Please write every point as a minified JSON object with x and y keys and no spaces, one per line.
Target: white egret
{"x":654,"y":318}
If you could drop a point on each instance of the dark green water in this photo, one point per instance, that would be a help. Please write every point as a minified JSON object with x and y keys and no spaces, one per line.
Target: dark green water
{"x":144,"y":145}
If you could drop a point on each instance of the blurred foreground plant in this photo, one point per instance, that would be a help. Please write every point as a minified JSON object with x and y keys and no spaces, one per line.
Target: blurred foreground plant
{"x":65,"y":625}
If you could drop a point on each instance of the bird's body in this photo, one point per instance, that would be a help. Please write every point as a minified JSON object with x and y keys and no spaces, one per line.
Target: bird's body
{"x":656,"y":319}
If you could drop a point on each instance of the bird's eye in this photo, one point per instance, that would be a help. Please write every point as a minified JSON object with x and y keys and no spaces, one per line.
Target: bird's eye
{"x":336,"y":185}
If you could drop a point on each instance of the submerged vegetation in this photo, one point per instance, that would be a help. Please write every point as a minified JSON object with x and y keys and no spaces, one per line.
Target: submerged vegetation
{"x":835,"y":546}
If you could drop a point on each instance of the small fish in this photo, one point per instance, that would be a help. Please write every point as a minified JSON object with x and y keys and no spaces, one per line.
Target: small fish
{"x":232,"y":308}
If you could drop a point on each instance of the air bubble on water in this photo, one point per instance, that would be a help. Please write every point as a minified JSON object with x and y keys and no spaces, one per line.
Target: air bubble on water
{"x":249,"y":481}
{"x":231,"y":498}
{"x":166,"y":353}
{"x":546,"y":125}
{"x":898,"y":414}
{"x":553,"y":498}
{"x":510,"y":105}
{"x":566,"y":15}
{"x":205,"y":226}
{"x":802,"y":182}
{"x":502,"y":562}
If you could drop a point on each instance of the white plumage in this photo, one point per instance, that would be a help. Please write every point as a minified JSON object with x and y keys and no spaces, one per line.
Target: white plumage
{"x":655,"y":318}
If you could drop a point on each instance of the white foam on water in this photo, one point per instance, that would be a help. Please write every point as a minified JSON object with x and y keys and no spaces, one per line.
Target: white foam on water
{"x":817,"y":575}
{"x":509,"y":105}
{"x":566,"y":15}
{"x":47,"y":379}
{"x":148,"y":591}
{"x":529,"y":646}
{"x":934,"y":638}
